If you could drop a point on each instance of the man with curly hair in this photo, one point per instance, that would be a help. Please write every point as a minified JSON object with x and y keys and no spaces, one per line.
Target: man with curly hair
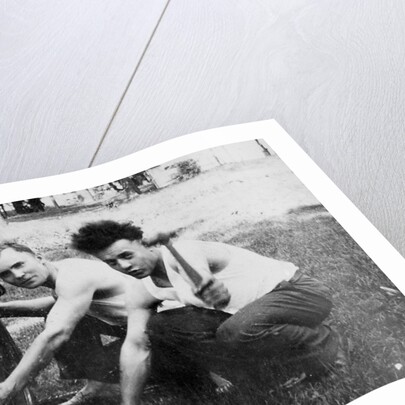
{"x":268,"y":307}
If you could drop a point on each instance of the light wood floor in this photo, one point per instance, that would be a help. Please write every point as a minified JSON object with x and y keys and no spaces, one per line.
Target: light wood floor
{"x":85,"y":82}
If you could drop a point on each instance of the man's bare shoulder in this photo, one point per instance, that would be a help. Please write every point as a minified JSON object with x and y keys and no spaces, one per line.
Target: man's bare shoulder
{"x":84,"y":273}
{"x":79,"y":265}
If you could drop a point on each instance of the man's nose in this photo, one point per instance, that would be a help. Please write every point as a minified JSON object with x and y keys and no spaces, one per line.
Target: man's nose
{"x":123,"y":264}
{"x":18,"y":274}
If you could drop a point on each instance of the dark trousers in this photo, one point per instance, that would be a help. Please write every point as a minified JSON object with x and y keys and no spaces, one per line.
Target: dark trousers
{"x":287,"y":320}
{"x":288,"y":317}
{"x":86,"y":356}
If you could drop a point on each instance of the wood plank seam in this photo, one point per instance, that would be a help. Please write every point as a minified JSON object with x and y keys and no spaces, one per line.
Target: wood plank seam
{"x":128,"y":85}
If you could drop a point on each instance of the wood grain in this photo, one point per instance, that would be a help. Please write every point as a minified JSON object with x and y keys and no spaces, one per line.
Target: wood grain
{"x":63,"y":67}
{"x":329,"y":71}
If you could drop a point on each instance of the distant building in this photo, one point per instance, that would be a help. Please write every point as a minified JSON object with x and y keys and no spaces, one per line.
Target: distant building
{"x":139,"y":183}
{"x":207,"y":159}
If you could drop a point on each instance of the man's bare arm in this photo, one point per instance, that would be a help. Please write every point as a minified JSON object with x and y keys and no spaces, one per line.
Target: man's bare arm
{"x":135,"y":358}
{"x":135,"y":352}
{"x":71,"y":305}
{"x":34,"y":307}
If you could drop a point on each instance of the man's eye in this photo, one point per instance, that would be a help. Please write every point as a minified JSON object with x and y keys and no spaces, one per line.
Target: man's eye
{"x":17,"y":265}
{"x":127,"y":256}
{"x":110,"y":262}
{"x":5,"y":274}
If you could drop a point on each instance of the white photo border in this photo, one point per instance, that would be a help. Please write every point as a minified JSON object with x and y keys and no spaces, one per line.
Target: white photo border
{"x":330,"y":196}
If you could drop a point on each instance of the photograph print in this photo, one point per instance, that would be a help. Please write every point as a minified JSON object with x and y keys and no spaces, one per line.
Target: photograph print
{"x":214,"y":278}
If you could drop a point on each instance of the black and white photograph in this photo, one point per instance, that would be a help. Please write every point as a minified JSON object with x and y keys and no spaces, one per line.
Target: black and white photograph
{"x":214,"y":278}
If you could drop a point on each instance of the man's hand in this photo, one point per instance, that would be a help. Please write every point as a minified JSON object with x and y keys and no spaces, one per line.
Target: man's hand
{"x":5,"y":392}
{"x":161,"y":238}
{"x":214,"y":293}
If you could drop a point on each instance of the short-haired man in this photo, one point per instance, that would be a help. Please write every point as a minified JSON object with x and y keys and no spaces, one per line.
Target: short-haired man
{"x":272,"y":308}
{"x":80,"y":287}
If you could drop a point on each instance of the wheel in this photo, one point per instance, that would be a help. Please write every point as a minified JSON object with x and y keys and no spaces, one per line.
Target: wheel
{"x":10,"y":355}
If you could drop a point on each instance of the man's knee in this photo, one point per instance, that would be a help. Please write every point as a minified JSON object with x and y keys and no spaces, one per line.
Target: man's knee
{"x":253,"y":338}
{"x":233,"y":335}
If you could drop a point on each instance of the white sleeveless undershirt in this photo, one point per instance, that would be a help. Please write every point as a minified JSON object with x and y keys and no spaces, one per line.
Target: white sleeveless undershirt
{"x":248,"y":276}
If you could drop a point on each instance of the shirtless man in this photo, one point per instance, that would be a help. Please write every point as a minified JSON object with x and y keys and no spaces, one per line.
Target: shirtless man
{"x":272,"y":309}
{"x":80,"y":287}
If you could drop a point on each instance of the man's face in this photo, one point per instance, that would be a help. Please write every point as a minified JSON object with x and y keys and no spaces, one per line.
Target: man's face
{"x":22,"y":269}
{"x":129,"y":257}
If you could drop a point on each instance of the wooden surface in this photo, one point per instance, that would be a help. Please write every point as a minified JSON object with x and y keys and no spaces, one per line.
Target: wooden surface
{"x":83,"y":83}
{"x":63,"y":69}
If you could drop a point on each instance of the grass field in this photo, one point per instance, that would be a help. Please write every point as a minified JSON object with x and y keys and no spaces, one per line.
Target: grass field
{"x":260,"y":206}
